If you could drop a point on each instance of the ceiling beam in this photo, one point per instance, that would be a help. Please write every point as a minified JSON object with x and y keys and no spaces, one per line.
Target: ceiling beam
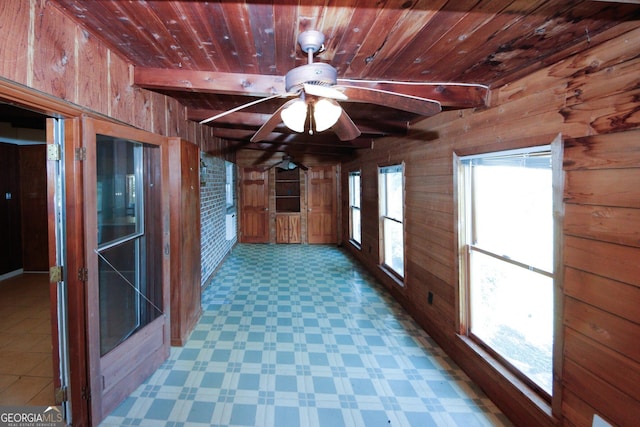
{"x":325,"y":150}
{"x":327,"y":140}
{"x":255,"y":120}
{"x":456,"y":95}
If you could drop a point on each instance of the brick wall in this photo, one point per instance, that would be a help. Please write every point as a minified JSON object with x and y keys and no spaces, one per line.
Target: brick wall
{"x":213,"y":210}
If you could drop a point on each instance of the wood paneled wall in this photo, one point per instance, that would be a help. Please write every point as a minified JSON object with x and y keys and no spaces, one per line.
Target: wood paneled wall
{"x":593,"y":101}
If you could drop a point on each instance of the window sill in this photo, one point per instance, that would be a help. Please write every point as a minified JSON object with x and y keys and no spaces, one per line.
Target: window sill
{"x":392,"y":275}
{"x":540,"y":402}
{"x":355,"y":244}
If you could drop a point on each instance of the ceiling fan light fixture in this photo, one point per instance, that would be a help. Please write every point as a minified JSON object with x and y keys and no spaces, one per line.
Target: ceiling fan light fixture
{"x":326,"y":113}
{"x":295,"y":115}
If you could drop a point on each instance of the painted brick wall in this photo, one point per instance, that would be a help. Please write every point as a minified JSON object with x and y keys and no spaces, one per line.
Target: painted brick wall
{"x":213,"y":210}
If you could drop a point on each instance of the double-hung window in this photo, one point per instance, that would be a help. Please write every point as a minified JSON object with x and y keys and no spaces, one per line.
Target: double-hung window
{"x":507,"y":241}
{"x":391,"y":199}
{"x":355,"y":229}
{"x":229,"y":184}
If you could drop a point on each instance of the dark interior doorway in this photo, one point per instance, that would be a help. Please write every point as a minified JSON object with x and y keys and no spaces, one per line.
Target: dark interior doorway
{"x":26,"y":370}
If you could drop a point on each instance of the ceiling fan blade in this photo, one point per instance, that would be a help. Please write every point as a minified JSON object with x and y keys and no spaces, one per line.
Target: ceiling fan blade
{"x":345,"y":128}
{"x":324,"y":91}
{"x":399,"y":101}
{"x":271,"y":123}
{"x":248,"y":104}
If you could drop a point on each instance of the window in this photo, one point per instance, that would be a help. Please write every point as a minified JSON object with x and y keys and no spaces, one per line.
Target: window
{"x":507,"y":236}
{"x":355,"y":228}
{"x":229,"y":185}
{"x":391,"y":191}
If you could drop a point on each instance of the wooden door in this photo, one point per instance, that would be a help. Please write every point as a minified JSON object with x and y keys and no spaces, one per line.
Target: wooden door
{"x":322,"y":205}
{"x":127,"y":251}
{"x":254,"y":206}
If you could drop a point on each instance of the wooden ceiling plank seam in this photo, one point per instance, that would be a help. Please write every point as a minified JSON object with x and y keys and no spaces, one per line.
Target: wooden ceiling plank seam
{"x":401,"y":39}
{"x":514,"y":48}
{"x":476,"y":28}
{"x":261,"y":22}
{"x":285,"y":19}
{"x":238,"y":23}
{"x":204,"y":46}
{"x":96,"y":20}
{"x":336,"y":20}
{"x":220,"y":34}
{"x":362,"y":19}
{"x":150,"y":28}
{"x":443,"y":33}
{"x":387,"y":18}
{"x":405,"y":29}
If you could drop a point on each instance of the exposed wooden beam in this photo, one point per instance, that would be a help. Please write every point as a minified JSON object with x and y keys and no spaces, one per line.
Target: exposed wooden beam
{"x":245,"y":120}
{"x":448,"y":94}
{"x":327,"y":140}
{"x":324,"y":150}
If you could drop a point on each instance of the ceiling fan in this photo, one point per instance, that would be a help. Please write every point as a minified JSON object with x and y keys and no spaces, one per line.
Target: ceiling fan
{"x":287,"y":163}
{"x":315,"y":94}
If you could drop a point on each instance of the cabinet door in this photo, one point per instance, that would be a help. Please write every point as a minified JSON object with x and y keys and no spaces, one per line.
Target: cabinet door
{"x":322,"y":201}
{"x":254,"y":206}
{"x":282,"y":228}
{"x":294,"y":229}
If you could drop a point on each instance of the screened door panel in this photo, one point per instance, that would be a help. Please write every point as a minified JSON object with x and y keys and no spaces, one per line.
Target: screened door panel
{"x":127,"y":286}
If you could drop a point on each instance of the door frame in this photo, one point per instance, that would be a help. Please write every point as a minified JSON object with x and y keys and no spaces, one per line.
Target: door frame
{"x":28,"y":98}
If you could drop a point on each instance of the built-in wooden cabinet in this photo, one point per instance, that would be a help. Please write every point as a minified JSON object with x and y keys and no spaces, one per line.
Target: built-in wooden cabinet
{"x":287,"y":198}
{"x":287,"y":190}
{"x":184,"y":161}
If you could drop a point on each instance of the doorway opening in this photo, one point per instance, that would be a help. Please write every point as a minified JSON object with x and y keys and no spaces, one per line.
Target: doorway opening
{"x":26,"y":353}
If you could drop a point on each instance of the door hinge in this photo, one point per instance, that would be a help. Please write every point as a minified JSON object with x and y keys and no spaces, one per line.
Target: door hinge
{"x":86,"y":393}
{"x":55,"y":274}
{"x":61,"y":395}
{"x":54,"y":152}
{"x":83,"y":274}
{"x":81,"y":154}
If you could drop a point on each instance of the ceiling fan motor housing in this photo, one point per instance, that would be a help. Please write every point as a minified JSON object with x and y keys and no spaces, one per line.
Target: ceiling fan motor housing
{"x":317,"y":73}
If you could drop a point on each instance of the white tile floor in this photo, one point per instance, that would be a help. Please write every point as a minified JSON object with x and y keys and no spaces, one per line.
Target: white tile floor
{"x":300,"y":335}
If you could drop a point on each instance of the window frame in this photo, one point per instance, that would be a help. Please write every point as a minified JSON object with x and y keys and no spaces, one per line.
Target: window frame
{"x":353,"y":207}
{"x":229,"y":185}
{"x":497,"y":362}
{"x":383,"y":202}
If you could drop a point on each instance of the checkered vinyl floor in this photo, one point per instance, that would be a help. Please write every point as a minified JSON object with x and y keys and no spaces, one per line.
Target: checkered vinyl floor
{"x":301,"y":335}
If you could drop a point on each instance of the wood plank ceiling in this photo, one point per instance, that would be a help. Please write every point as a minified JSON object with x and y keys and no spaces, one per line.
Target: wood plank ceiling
{"x":216,"y":55}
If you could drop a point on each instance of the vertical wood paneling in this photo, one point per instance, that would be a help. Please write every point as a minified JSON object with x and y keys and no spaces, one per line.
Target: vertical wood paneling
{"x":54,"y":63}
{"x":15,"y":19}
{"x":92,"y":79}
{"x":121,"y":94}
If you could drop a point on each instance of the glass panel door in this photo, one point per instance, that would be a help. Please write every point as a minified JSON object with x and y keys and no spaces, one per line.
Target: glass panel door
{"x":127,"y":287}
